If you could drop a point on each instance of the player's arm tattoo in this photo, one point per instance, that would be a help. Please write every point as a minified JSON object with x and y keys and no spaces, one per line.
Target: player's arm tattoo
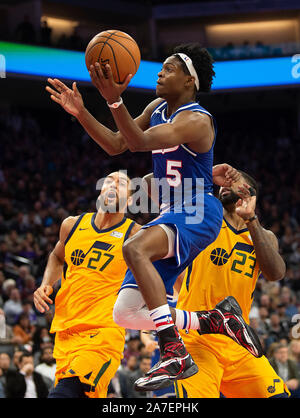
{"x":266,"y":248}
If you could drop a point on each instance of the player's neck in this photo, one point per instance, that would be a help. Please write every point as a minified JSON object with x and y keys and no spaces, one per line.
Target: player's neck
{"x":235,"y":220}
{"x":104,"y":220}
{"x":174,"y":103}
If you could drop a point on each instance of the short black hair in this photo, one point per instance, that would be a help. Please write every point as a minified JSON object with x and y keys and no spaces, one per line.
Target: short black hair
{"x":24,"y":355}
{"x":250,"y":180}
{"x":202,"y":61}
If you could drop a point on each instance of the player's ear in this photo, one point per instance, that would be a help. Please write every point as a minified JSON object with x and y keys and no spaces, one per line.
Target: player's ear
{"x":190,"y":81}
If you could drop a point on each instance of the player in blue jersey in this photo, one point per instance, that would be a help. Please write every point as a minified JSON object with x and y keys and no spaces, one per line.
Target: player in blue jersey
{"x":181,"y":135}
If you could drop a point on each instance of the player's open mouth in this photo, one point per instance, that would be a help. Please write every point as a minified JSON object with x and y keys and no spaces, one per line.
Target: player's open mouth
{"x":111,"y":195}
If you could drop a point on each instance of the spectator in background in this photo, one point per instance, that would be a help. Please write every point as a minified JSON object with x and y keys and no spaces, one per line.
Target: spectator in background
{"x":45,"y":33}
{"x":294,"y":352}
{"x":47,"y":366}
{"x":10,"y":341}
{"x":276,"y":331}
{"x":41,"y":339}
{"x":144,"y":367}
{"x":16,"y":359}
{"x":25,"y":31}
{"x":131,"y":348}
{"x":24,"y":329}
{"x":5,"y":367}
{"x":13,"y":306}
{"x":7,"y":286}
{"x":26,"y":382}
{"x":289,"y":301}
{"x":286,"y":369}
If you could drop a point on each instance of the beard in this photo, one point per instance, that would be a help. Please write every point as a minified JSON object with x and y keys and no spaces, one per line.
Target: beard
{"x":229,"y":199}
{"x":119,"y":203}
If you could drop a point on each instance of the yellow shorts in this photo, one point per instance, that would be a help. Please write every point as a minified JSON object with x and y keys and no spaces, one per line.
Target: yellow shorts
{"x":93,"y":355}
{"x":226,"y":367}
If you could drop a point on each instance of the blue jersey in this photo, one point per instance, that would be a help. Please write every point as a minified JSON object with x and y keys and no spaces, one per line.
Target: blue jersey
{"x":194,"y":215}
{"x":179,"y":167}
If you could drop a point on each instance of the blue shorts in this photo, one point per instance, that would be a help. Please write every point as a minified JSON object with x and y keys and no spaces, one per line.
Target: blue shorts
{"x":190,"y":239}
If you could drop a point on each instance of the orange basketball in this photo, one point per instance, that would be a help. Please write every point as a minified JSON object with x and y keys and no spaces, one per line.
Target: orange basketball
{"x":117,"y":49}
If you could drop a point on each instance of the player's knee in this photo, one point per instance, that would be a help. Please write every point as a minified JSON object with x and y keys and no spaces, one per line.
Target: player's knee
{"x":122,"y":315}
{"x":132,"y":252}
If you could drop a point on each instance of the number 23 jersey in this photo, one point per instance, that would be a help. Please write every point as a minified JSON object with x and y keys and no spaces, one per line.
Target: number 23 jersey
{"x":227,"y":267}
{"x":94,"y":270}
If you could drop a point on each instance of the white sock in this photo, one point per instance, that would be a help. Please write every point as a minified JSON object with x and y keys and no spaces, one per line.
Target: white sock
{"x":186,"y":320}
{"x":162,"y":318}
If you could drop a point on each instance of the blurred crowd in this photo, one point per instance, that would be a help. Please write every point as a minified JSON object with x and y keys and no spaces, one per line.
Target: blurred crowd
{"x":49,"y":170}
{"x":25,"y":32}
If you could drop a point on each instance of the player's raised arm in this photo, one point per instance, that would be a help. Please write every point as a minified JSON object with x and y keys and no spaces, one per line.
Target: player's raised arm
{"x":265,"y":242}
{"x":187,"y":127}
{"x":225,"y":175}
{"x":54,"y":268}
{"x":71,"y":101}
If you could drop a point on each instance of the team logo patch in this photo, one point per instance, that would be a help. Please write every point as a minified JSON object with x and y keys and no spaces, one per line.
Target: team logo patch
{"x":77,"y":257}
{"x":117,"y":234}
{"x":271,"y":389}
{"x":219,"y":256}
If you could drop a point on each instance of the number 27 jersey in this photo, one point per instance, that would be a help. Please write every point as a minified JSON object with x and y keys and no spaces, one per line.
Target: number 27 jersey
{"x":94,"y":270}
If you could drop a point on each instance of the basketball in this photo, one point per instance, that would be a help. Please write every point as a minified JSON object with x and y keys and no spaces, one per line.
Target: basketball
{"x":116,"y":48}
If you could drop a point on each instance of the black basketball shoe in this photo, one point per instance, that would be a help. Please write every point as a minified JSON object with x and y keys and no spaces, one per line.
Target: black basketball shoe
{"x":227,"y":319}
{"x":175,"y":363}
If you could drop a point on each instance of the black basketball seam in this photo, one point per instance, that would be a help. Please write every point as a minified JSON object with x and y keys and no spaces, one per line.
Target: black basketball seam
{"x":112,"y":39}
{"x":88,"y":51}
{"x":104,"y":46}
{"x":115,"y":62}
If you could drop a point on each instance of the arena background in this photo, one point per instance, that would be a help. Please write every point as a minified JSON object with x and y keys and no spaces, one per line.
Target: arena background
{"x":49,"y":166}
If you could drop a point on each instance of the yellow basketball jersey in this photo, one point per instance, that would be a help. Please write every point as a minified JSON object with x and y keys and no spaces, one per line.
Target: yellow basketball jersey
{"x":94,"y":270}
{"x":227,"y":267}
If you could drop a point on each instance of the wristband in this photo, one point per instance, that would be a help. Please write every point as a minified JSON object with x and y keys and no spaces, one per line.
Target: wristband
{"x":247,"y":221}
{"x":116,"y":104}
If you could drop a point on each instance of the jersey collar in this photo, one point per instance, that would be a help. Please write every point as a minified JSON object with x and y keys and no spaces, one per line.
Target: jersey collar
{"x":101,"y":231}
{"x":236,"y":231}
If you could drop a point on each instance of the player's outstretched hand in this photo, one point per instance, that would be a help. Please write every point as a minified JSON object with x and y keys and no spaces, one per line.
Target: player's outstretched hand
{"x":104,"y":82}
{"x":69,"y":99}
{"x":41,"y":298}
{"x":224,"y":175}
{"x":245,"y":206}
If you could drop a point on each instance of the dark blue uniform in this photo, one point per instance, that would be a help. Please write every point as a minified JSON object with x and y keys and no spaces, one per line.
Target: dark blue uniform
{"x":184,"y":180}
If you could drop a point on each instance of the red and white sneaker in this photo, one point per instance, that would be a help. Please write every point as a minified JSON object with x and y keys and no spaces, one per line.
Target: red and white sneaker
{"x":175,"y":363}
{"x":227,"y":319}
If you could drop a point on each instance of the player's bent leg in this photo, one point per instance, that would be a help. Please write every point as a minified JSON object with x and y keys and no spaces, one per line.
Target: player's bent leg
{"x":140,"y":252}
{"x":70,"y":387}
{"x":130,"y":310}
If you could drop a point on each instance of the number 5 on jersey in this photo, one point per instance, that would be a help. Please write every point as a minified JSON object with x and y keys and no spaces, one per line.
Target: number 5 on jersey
{"x":173,"y":175}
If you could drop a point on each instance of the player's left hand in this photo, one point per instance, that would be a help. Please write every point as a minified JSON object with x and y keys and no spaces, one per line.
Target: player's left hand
{"x":102,"y":78}
{"x":245,"y":206}
{"x":224,"y":175}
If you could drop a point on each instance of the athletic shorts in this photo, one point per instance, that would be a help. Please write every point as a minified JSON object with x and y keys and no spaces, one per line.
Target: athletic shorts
{"x":226,"y":367}
{"x":93,"y":355}
{"x":190,"y":240}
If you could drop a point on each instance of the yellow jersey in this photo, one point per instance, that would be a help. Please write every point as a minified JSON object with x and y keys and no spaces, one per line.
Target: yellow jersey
{"x":94,"y":270}
{"x":227,"y":267}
